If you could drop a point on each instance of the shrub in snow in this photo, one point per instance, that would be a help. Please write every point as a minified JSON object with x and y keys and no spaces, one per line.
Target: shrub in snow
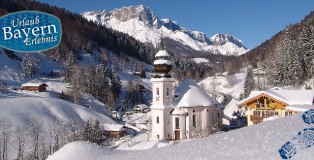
{"x":3,"y":87}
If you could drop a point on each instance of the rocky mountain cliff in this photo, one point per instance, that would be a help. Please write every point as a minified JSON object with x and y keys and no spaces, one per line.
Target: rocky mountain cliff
{"x":142,"y":24}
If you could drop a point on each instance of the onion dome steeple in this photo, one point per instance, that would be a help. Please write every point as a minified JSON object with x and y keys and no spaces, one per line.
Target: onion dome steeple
{"x":162,"y":64}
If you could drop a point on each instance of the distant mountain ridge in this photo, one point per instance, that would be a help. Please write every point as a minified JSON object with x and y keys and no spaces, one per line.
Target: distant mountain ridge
{"x":142,"y":24}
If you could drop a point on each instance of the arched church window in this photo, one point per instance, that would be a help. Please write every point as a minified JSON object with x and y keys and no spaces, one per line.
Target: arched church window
{"x":157,"y":119}
{"x":167,"y":92}
{"x":157,"y":91}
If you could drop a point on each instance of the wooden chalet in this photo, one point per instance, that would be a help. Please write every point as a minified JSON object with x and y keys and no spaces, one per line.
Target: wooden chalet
{"x":141,"y":108}
{"x":264,"y":104}
{"x":114,"y":130}
{"x":37,"y":87}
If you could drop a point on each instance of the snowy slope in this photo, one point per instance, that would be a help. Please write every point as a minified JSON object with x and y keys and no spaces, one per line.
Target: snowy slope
{"x":141,"y":23}
{"x":21,"y":107}
{"x":11,"y":70}
{"x":258,"y":142}
{"x":223,"y":86}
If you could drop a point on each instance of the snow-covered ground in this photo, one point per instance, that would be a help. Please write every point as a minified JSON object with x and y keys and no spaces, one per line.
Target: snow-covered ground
{"x":261,"y":141}
{"x":221,"y":85}
{"x":200,"y":60}
{"x":22,"y":106}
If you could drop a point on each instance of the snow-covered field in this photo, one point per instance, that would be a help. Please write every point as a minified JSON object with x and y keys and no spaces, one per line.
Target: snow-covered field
{"x":221,"y":85}
{"x":21,"y":107}
{"x":261,"y":141}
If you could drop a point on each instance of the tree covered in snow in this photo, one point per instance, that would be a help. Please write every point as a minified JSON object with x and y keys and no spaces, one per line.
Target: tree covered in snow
{"x":249,"y":83}
{"x":287,"y":58}
{"x":3,"y":87}
{"x":5,"y":138}
{"x":30,"y":65}
{"x":93,"y":132}
{"x":134,"y":93}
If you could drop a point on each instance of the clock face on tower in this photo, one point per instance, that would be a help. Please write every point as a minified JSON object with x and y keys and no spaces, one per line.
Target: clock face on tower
{"x":157,"y":98}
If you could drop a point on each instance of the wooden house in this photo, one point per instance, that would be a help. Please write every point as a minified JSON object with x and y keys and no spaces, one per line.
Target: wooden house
{"x":37,"y":87}
{"x":114,"y":130}
{"x":141,"y":108}
{"x":142,"y":74}
{"x":264,"y":104}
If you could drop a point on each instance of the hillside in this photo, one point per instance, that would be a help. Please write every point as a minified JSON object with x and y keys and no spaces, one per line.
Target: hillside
{"x":261,"y":141}
{"x":142,"y":24}
{"x":21,"y":107}
{"x":287,"y":57}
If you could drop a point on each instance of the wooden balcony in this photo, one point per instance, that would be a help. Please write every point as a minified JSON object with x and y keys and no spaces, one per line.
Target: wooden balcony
{"x":256,"y":119}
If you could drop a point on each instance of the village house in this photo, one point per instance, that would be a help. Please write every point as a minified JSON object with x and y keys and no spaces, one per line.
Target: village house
{"x":37,"y":87}
{"x":264,"y":104}
{"x":141,"y":108}
{"x":181,"y":113}
{"x":114,"y":130}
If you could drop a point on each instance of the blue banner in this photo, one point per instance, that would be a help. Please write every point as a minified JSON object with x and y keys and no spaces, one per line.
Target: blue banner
{"x":30,"y":31}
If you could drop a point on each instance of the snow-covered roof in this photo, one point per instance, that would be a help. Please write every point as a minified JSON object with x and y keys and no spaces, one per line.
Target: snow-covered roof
{"x":189,"y":94}
{"x":163,"y":61}
{"x":141,"y":106}
{"x":31,"y":84}
{"x":178,"y":111}
{"x":113,"y":127}
{"x":300,"y":108}
{"x":162,"y":53}
{"x":290,"y":97}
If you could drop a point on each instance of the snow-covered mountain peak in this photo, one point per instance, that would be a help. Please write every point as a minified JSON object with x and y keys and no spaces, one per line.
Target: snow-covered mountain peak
{"x":221,"y":39}
{"x":142,"y":24}
{"x":141,"y":12}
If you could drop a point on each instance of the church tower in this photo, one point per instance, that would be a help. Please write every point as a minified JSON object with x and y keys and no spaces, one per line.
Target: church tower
{"x":162,"y":97}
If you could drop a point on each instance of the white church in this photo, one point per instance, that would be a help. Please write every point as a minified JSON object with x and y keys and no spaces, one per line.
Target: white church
{"x":182,"y":112}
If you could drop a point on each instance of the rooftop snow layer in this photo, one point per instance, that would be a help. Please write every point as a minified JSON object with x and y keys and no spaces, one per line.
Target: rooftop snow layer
{"x":31,"y":84}
{"x":113,"y":127}
{"x":189,"y":94}
{"x":162,"y":53}
{"x":300,"y":108}
{"x":291,"y":97}
{"x":162,"y":61}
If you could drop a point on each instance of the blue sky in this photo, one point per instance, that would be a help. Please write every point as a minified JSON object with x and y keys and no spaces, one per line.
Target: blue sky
{"x":252,"y":21}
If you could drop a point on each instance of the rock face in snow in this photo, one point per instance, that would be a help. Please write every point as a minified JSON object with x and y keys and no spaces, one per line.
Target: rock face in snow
{"x":141,"y":23}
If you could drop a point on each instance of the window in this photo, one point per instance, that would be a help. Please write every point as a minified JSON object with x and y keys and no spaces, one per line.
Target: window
{"x":265,"y":113}
{"x":276,"y":113}
{"x":288,"y":113}
{"x":157,"y":119}
{"x":167,"y":92}
{"x":218,"y":114}
{"x":256,"y":113}
{"x":257,"y":104}
{"x":177,"y":122}
{"x":157,"y":91}
{"x":271,"y":113}
{"x":194,"y":121}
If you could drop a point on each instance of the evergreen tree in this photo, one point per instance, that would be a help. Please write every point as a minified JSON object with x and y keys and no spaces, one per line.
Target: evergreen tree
{"x":90,"y":78}
{"x":249,"y":83}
